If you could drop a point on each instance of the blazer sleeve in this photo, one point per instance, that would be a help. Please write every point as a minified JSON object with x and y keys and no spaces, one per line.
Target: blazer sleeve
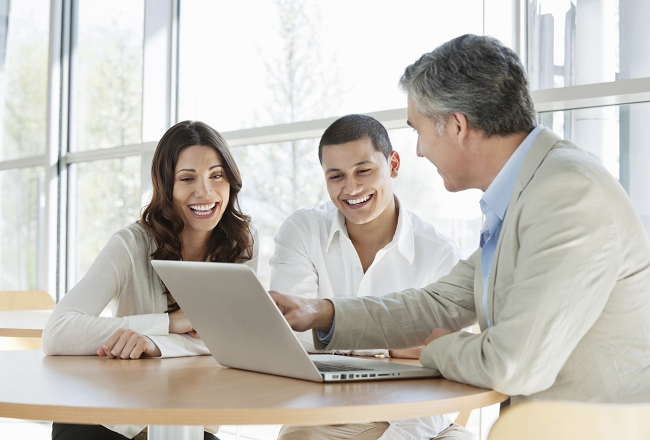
{"x":566,"y":265}
{"x":404,"y":319}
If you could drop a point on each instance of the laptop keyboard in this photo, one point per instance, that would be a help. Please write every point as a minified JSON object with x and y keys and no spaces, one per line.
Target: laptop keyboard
{"x":328,"y":367}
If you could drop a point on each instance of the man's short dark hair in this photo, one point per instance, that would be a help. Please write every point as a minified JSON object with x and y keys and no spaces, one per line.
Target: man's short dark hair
{"x":351,"y":128}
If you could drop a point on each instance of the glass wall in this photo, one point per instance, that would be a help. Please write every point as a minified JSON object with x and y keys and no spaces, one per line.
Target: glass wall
{"x":106,"y":108}
{"x":104,"y":198}
{"x":593,"y":42}
{"x":107,"y":76}
{"x":24,"y":37}
{"x":21,"y":222}
{"x":261,"y":76}
{"x":577,"y":42}
{"x":294,"y":60}
{"x":23,"y":96}
{"x":278,"y":179}
{"x":421,"y":189}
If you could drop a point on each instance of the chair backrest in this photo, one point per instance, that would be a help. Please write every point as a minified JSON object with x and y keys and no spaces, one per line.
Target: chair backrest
{"x":559,"y":420}
{"x":25,"y":300}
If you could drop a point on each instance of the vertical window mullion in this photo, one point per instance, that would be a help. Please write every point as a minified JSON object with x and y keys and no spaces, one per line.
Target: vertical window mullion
{"x":159,"y":80}
{"x":50,"y":257}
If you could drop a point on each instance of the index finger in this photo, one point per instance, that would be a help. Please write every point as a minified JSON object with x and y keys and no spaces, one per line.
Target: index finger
{"x":110,"y":343}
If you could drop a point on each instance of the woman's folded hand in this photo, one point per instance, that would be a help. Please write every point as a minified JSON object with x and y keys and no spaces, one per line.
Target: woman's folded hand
{"x":127,"y":344}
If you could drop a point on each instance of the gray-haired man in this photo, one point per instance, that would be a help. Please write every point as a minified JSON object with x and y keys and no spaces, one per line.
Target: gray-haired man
{"x":560,"y":284}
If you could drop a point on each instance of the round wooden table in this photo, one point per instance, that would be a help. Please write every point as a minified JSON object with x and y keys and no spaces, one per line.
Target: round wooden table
{"x":198,"y":391}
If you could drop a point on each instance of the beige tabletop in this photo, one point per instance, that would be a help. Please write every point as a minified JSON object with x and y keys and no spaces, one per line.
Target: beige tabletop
{"x":198,"y":391}
{"x":23,"y":323}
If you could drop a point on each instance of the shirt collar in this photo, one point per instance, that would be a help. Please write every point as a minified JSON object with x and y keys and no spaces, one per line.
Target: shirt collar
{"x":497,"y":196}
{"x":338,"y":225}
{"x":404,"y":238}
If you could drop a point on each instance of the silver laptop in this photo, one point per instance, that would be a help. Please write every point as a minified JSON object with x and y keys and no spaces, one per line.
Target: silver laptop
{"x":243,"y":328}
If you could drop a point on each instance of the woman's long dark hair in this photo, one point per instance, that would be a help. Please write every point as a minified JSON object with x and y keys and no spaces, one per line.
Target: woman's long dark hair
{"x":231,"y":240}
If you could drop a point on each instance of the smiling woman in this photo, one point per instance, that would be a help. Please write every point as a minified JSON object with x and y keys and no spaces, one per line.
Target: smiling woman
{"x":193,"y":215}
{"x":200,"y":191}
{"x":192,"y":169}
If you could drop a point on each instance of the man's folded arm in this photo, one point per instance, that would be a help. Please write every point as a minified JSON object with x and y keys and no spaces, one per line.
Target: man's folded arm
{"x":565,"y":273}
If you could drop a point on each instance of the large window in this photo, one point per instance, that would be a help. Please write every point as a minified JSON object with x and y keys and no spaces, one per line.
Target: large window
{"x":278,"y":179}
{"x":21,"y":216}
{"x":107,"y":75}
{"x":420,"y":188}
{"x":24,"y":59}
{"x":596,"y":48}
{"x":283,"y":61}
{"x":23,"y":114}
{"x":296,"y":61}
{"x":104,"y":197}
{"x":574,"y":42}
{"x":106,"y":104}
{"x":87,"y":88}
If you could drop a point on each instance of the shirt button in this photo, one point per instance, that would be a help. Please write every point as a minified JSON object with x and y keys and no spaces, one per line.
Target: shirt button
{"x":357,"y":268}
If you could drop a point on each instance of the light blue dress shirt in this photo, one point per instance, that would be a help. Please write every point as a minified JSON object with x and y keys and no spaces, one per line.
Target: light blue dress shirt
{"x":494,"y":205}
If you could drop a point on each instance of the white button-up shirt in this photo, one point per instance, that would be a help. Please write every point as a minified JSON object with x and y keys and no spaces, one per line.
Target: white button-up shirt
{"x":314,"y":257}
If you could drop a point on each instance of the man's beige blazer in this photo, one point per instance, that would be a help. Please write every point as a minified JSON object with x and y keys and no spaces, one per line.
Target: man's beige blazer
{"x":569,"y":293}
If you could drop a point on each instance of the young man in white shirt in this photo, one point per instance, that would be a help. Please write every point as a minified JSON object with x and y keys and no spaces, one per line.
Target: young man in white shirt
{"x":362,"y":242}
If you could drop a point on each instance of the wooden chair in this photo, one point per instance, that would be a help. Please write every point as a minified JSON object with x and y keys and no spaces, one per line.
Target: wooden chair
{"x":24,"y":300}
{"x":463,"y":417}
{"x":560,"y":420}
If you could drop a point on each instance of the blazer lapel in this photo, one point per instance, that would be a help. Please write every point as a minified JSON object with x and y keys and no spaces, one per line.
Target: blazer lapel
{"x":543,"y":144}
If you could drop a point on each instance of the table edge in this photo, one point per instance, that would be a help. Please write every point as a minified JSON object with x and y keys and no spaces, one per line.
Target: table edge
{"x":255,"y":416}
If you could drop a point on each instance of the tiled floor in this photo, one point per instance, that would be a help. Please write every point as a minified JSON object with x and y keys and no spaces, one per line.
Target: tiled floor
{"x":479,"y":423}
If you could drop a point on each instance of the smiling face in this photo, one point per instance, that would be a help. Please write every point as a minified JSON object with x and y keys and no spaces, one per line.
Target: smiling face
{"x":358,"y":179}
{"x":201,"y":189}
{"x":441,"y":151}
